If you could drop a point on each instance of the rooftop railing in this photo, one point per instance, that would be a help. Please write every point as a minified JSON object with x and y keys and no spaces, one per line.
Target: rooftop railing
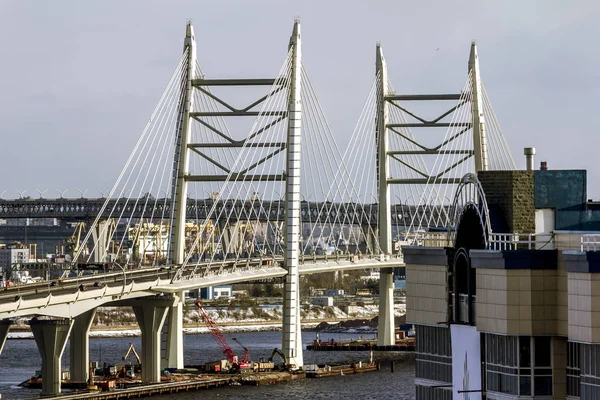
{"x":590,"y":242}
{"x":519,"y":241}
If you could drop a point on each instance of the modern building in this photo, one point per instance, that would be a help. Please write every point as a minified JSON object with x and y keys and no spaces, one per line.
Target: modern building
{"x":13,"y":254}
{"x":510,"y":309}
{"x":9,"y":255}
{"x":322,"y":301}
{"x":216,"y":292}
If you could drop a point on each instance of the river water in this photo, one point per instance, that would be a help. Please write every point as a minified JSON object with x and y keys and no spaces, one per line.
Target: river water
{"x":20,"y":359}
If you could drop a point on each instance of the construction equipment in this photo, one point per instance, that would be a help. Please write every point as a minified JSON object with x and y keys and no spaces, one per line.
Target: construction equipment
{"x":275,"y":352}
{"x":130,"y":350}
{"x":283,"y":367}
{"x":129,"y":371}
{"x":217,"y":334}
{"x":246,"y":355}
{"x":74,"y":241}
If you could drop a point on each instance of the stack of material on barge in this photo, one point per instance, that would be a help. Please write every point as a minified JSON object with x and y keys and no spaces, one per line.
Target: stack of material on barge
{"x":322,"y":371}
{"x":407,"y":344}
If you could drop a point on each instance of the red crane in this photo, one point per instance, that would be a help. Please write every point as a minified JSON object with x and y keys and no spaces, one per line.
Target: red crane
{"x":217,"y":334}
{"x":246,"y":355}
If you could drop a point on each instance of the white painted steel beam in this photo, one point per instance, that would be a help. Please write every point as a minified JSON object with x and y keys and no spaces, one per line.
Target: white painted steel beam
{"x":181,"y":156}
{"x":292,"y":340}
{"x":321,"y":267}
{"x":385,"y":323}
{"x":479,"y":136}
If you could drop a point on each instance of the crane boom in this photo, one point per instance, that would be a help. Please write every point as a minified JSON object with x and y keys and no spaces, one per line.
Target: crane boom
{"x":129,"y":351}
{"x":246,"y":355}
{"x":217,"y":334}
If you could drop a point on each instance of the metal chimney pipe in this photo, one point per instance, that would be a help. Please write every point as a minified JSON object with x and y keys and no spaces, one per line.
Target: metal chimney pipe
{"x":529,"y":158}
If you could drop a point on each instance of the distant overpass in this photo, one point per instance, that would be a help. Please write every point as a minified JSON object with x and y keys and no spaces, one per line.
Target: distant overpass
{"x":82,"y":209}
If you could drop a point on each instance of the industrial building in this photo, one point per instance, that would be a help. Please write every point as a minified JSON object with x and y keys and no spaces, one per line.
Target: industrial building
{"x":510,"y":308}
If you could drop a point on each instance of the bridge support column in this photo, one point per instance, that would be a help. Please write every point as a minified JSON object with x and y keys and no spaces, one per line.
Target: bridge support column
{"x":385,"y":321}
{"x":51,"y":337}
{"x":80,"y":346}
{"x":292,"y":334}
{"x":150,"y":314}
{"x":385,"y":328}
{"x":100,"y":236}
{"x":4,"y":328}
{"x":174,"y":351}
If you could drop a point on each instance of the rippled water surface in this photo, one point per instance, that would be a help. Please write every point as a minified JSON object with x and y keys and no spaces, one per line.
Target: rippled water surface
{"x":20,"y":359}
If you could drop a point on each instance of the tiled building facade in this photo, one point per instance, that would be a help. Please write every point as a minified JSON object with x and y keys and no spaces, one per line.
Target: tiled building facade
{"x":530,"y":316}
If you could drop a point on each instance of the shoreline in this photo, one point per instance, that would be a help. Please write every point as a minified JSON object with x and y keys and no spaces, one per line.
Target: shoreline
{"x":23,"y":332}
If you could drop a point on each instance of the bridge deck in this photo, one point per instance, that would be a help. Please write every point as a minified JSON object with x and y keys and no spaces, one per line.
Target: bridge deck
{"x":72,"y":296}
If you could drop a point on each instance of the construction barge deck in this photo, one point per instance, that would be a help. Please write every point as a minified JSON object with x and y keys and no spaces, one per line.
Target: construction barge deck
{"x":126,"y":389}
{"x":404,"y":345}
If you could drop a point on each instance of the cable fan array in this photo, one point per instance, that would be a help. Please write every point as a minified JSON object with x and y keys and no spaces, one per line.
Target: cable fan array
{"x":416,"y":207}
{"x":132,"y":225}
{"x":236,"y":187}
{"x":247,"y":213}
{"x":439,"y":194}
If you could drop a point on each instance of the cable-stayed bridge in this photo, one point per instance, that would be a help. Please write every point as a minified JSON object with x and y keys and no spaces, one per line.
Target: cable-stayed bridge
{"x":283,"y":200}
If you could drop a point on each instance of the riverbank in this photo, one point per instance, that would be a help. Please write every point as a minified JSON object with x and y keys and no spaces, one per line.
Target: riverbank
{"x":120,"y":322}
{"x":24,"y":332}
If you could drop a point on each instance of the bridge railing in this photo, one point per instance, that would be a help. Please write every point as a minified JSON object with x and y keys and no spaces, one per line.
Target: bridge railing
{"x":519,"y":241}
{"x":427,"y":239}
{"x":590,"y":242}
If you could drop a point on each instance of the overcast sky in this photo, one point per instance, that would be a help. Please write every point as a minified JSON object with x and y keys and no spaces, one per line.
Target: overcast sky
{"x":79,"y":79}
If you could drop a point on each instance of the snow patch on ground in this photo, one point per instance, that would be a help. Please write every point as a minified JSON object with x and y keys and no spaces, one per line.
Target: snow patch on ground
{"x":250,"y":319}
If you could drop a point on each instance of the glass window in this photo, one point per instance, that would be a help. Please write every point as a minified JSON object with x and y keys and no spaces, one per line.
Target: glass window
{"x":543,"y":385}
{"x":524,"y":351}
{"x":525,"y":385}
{"x":543,"y":351}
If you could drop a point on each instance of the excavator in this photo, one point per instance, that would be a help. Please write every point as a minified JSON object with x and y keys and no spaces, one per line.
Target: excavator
{"x":285,"y":366}
{"x":269,"y":365}
{"x":275,"y":352}
{"x":130,"y":370}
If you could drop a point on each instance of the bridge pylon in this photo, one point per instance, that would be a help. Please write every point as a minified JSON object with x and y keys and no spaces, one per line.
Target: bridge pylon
{"x":479,"y":132}
{"x":173,"y":357}
{"x":385,"y":323}
{"x":292,"y":335}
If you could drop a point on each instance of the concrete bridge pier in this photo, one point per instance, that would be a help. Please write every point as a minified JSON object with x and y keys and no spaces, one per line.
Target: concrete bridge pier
{"x":4,"y":328}
{"x":101,"y":236}
{"x":385,"y":322}
{"x":80,"y":346}
{"x":150,"y":314}
{"x":173,"y":357}
{"x":51,"y":337}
